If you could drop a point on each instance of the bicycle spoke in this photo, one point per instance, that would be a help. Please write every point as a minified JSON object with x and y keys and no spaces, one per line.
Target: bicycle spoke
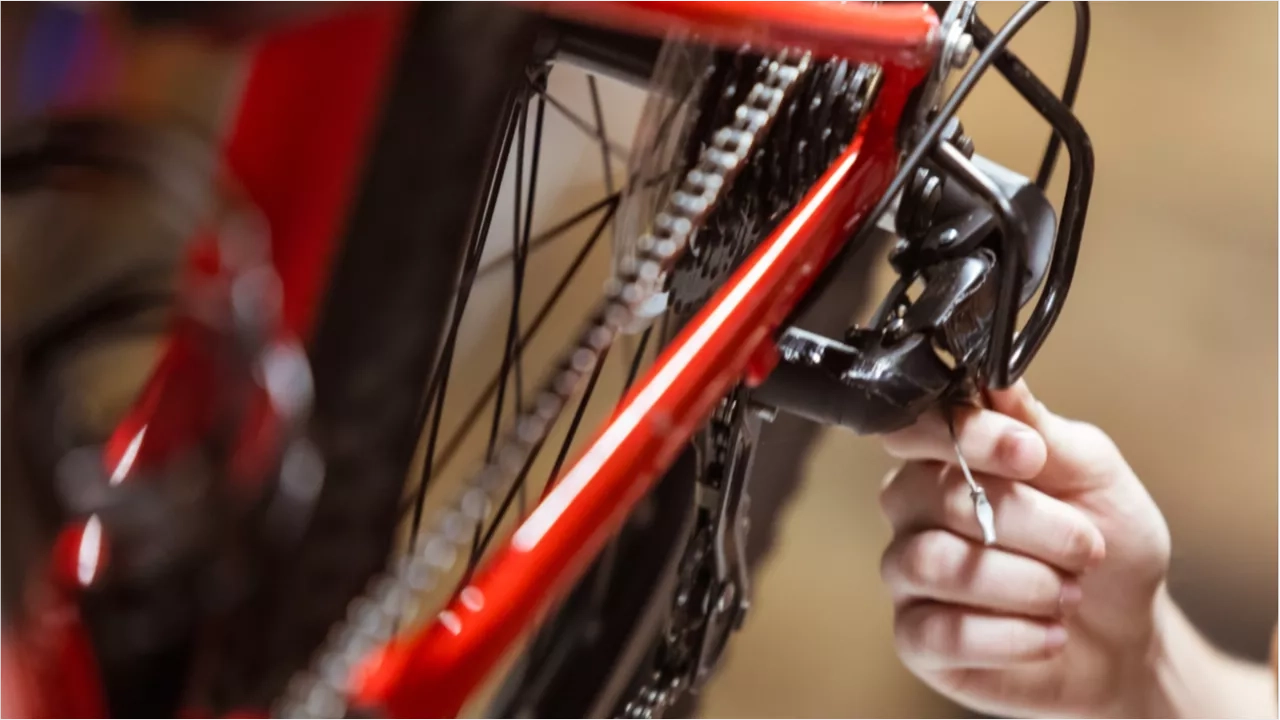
{"x":558,"y":230}
{"x":517,"y":282}
{"x":513,"y":322}
{"x":580,"y":123}
{"x":454,"y":443}
{"x":524,"y":259}
{"x":433,"y":400}
{"x":609,"y":556}
{"x":481,"y":544}
{"x":582,"y":408}
{"x":511,"y":371}
{"x":573,"y":425}
{"x":601,"y":134}
{"x":635,"y":360}
{"x":555,"y":232}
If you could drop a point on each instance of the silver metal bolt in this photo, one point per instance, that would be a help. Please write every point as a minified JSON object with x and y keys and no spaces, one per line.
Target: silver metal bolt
{"x":962,"y":50}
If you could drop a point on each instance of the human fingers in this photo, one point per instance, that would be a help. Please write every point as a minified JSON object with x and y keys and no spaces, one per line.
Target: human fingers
{"x":942,"y":566}
{"x":990,"y":442}
{"x":1080,"y":456}
{"x":1028,"y":521}
{"x":932,"y":636}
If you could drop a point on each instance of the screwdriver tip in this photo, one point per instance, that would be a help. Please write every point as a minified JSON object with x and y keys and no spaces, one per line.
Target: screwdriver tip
{"x":986,"y":516}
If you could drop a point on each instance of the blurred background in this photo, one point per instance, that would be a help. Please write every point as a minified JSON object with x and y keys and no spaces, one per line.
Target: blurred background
{"x":1168,"y":341}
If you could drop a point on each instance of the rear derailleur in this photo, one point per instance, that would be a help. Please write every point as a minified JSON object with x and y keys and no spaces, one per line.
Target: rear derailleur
{"x":976,"y":241}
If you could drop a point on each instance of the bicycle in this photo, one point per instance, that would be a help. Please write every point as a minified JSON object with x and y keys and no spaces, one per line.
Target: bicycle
{"x":269,"y":474}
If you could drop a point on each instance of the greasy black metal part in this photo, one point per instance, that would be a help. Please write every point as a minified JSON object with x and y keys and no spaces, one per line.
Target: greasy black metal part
{"x":723,"y":496}
{"x":940,"y":220}
{"x":880,"y":379}
{"x":864,"y":385}
{"x":810,"y":131}
{"x":712,"y":594}
{"x":1012,"y":232}
{"x":944,"y":219}
{"x":992,"y":49}
{"x":890,"y":372}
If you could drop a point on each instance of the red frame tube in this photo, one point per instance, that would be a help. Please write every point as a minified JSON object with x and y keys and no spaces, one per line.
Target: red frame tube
{"x":900,"y":34}
{"x":431,"y":673}
{"x":314,"y":87}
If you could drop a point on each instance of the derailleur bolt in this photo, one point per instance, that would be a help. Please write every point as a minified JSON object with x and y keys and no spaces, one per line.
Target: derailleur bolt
{"x":962,"y":50}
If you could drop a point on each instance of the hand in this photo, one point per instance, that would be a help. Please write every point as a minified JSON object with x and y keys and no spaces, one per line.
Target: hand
{"x":1063,"y":615}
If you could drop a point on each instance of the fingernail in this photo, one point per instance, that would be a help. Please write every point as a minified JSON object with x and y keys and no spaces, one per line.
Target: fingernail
{"x":1070,"y":597}
{"x":1055,"y":637}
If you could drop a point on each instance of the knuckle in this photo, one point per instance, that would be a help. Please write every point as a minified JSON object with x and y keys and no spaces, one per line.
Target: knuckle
{"x":1044,"y":593}
{"x":927,"y":559}
{"x":937,"y":633}
{"x":921,"y":631}
{"x":1076,"y":543}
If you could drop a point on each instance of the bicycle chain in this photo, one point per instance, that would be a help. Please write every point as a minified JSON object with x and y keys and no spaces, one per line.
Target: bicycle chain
{"x":320,"y":690}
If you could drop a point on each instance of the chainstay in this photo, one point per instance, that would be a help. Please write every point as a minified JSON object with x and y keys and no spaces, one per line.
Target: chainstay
{"x":321,"y":689}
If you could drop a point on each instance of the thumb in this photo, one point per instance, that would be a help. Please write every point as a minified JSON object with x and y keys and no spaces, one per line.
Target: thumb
{"x":1080,"y":456}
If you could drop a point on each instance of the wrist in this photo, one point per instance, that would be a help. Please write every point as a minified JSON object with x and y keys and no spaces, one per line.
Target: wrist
{"x":1188,"y":677}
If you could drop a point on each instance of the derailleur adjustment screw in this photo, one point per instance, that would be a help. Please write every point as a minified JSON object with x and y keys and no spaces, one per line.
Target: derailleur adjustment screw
{"x":894,"y":330}
{"x":953,"y":132}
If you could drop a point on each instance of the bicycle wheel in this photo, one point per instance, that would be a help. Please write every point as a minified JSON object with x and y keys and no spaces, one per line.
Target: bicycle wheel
{"x":419,"y":242}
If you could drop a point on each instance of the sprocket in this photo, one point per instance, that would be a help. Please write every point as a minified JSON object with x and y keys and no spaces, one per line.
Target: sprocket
{"x":813,"y":128}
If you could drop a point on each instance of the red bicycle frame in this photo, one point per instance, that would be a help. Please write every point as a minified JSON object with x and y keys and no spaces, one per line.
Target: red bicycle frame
{"x":304,"y":120}
{"x":432,"y":672}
